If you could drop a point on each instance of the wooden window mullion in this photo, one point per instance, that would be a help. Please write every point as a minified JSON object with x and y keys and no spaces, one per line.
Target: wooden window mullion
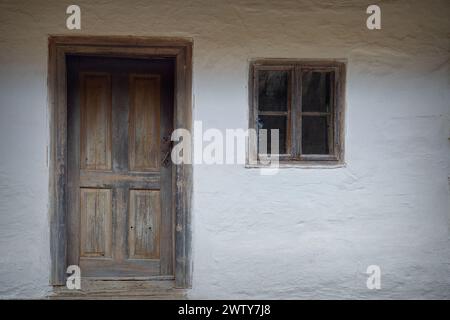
{"x":290,"y":113}
{"x":297,"y":118}
{"x":273,"y":113}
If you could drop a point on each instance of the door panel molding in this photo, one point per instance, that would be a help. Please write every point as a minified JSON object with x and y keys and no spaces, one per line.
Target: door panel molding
{"x":133,"y":47}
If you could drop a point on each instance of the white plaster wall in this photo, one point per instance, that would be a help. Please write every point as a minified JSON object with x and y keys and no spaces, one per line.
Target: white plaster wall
{"x":304,"y":233}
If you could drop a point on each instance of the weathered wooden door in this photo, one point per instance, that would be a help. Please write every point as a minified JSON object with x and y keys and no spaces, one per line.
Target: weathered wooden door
{"x":119,"y":181}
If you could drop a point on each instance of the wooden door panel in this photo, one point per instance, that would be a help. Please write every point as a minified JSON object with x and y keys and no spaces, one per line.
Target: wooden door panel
{"x":119,"y":195}
{"x":144,"y":224}
{"x":95,"y":121}
{"x":144,"y":122}
{"x":109,"y":268}
{"x":132,"y":180}
{"x":96,"y":222}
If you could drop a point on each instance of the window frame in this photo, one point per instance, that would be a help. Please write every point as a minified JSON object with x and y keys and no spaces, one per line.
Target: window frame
{"x":293,"y":156}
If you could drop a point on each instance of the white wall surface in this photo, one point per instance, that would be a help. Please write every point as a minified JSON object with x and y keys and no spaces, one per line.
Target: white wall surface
{"x":304,"y":233}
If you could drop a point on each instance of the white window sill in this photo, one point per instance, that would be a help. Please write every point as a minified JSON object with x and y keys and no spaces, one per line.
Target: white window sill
{"x":297,"y":166}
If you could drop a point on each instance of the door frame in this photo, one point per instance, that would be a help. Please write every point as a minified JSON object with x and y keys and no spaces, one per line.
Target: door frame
{"x":116,"y":46}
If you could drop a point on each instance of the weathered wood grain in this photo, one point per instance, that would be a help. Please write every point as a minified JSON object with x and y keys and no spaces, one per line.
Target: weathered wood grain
{"x":144,"y":224}
{"x":96,"y":222}
{"x":95,"y":121}
{"x":144,"y":122}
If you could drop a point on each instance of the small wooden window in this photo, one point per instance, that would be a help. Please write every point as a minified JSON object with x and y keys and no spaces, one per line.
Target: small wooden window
{"x":304,"y":100}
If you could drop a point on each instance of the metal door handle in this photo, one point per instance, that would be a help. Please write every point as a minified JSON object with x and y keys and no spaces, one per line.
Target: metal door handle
{"x":167,"y":143}
{"x":166,"y":161}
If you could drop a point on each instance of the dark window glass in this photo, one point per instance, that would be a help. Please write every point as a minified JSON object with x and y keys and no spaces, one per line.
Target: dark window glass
{"x":273,"y":122}
{"x":273,"y":90}
{"x":315,"y":135}
{"x":316,"y":91}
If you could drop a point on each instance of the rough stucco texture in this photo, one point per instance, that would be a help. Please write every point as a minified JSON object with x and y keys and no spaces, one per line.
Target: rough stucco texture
{"x":304,"y":233}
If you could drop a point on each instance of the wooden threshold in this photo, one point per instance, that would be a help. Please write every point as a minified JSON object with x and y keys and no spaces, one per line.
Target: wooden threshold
{"x":109,"y":289}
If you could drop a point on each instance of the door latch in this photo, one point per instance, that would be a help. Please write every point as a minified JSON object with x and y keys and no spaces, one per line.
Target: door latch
{"x":167,"y":146}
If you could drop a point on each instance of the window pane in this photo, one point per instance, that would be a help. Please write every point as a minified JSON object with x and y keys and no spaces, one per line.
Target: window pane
{"x":315,"y":135}
{"x":316,"y":91}
{"x":273,"y":122}
{"x":273,"y":90}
